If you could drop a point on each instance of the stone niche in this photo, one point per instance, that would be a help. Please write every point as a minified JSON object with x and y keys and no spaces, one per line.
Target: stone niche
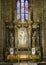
{"x":7,"y":14}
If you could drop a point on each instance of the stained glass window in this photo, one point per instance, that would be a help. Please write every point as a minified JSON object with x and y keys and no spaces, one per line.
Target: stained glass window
{"x":22,"y":10}
{"x":18,"y":9}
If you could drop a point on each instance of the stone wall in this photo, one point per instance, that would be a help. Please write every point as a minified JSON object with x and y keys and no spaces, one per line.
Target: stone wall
{"x":44,"y":14}
{"x":1,"y":33}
